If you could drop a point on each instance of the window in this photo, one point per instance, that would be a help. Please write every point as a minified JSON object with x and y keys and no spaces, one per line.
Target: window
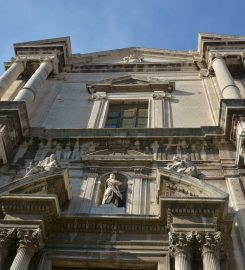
{"x":127,"y":115}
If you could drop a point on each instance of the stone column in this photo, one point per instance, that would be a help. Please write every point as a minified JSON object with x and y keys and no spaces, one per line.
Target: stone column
{"x":30,"y":89}
{"x":180,"y":248}
{"x":6,"y":238}
{"x":226,"y":83}
{"x":11,"y":75}
{"x":209,"y":243}
{"x":29,"y":243}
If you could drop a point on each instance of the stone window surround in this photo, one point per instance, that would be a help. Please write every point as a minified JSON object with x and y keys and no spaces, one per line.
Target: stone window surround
{"x":158,"y":107}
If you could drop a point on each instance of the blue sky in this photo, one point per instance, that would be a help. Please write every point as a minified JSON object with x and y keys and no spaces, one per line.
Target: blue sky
{"x":96,"y":25}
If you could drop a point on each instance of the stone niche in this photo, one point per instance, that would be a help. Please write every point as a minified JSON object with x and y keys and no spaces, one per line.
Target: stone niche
{"x":111,"y":208}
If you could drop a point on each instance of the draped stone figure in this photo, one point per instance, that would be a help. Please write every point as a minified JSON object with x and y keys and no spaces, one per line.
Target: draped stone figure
{"x":183,"y":165}
{"x":48,"y":164}
{"x":112,"y":193}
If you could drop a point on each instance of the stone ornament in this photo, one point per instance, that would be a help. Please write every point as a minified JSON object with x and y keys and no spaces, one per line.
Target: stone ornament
{"x":112,"y":193}
{"x":209,"y":240}
{"x":97,"y":96}
{"x":180,"y":241}
{"x":6,"y":237}
{"x":161,"y":95}
{"x":133,"y":58}
{"x":48,"y":164}
{"x":29,"y":239}
{"x":183,"y":165}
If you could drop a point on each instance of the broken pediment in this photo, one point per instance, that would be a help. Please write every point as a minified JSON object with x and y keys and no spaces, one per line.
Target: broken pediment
{"x":132,"y":83}
{"x":173,"y":184}
{"x":44,"y":183}
{"x":188,"y":202}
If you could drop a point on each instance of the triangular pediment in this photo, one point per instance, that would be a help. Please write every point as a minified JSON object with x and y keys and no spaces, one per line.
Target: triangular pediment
{"x":173,"y":184}
{"x":130,"y":79}
{"x":144,"y":83}
{"x":133,"y":55}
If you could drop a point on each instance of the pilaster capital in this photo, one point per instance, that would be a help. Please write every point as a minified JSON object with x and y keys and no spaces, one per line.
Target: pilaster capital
{"x":161,"y":95}
{"x":98,"y":96}
{"x":212,"y":56}
{"x":209,"y":241}
{"x":29,"y":239}
{"x":180,"y":242}
{"x":6,"y":237}
{"x":22,"y":60}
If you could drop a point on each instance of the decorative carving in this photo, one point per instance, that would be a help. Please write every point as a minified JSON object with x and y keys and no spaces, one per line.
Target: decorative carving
{"x":183,"y":165}
{"x":161,"y":95}
{"x":120,"y":226}
{"x":97,"y":96}
{"x":182,"y":189}
{"x":210,"y":241}
{"x":180,"y":242}
{"x":29,"y":239}
{"x":237,"y":135}
{"x":133,"y":58}
{"x":112,"y":193}
{"x":48,"y":164}
{"x":6,"y":237}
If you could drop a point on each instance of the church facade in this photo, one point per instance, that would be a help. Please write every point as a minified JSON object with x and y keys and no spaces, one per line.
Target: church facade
{"x":124,"y":159}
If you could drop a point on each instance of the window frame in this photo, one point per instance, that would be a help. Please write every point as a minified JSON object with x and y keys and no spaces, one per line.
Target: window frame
{"x":121,"y":107}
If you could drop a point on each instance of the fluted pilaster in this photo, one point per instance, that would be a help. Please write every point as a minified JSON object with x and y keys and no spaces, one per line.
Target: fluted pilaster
{"x":29,"y":243}
{"x":180,"y":248}
{"x":209,"y":245}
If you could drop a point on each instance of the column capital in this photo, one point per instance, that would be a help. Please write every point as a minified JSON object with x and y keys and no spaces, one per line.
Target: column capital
{"x":180,"y":242}
{"x":29,"y":239}
{"x":6,"y":237}
{"x":209,"y":241}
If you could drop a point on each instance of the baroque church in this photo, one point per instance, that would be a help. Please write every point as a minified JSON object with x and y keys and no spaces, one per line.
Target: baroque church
{"x":123,"y":159}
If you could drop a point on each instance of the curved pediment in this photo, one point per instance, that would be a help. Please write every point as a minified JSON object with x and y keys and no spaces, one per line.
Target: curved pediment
{"x":173,"y":184}
{"x":55,"y":182}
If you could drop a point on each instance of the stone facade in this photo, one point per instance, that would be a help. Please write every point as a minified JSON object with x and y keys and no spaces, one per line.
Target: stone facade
{"x":125,"y":159}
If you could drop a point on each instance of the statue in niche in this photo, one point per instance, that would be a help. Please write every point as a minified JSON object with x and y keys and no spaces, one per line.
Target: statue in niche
{"x":112,"y":193}
{"x":48,"y":164}
{"x":183,"y":165}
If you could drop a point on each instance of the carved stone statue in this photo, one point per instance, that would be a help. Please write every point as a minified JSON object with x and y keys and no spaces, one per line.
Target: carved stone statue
{"x":183,"y":165}
{"x":112,"y":193}
{"x":133,"y":58}
{"x":48,"y":164}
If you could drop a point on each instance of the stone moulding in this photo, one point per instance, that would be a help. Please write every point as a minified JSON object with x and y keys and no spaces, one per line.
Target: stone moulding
{"x":55,"y":182}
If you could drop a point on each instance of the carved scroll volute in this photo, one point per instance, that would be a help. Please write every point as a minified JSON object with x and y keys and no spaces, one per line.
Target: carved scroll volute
{"x":209,"y":241}
{"x":180,"y":242}
{"x":29,"y":239}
